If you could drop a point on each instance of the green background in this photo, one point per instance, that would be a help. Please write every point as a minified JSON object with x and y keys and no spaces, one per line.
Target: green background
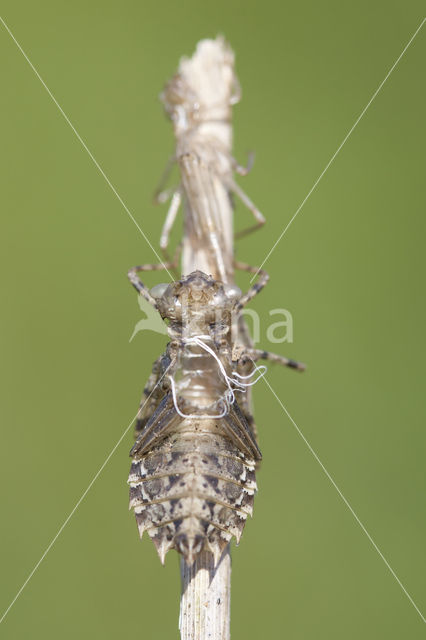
{"x":350,"y":269}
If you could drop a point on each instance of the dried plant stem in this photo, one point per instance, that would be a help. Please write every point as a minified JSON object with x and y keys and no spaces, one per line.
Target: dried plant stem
{"x":206,"y":585}
{"x":206,"y":597}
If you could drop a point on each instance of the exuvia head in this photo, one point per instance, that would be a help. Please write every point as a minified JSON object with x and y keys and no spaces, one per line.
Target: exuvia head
{"x":197,"y":295}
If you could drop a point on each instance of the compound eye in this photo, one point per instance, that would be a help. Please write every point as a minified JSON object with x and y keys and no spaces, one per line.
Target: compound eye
{"x":159,"y":290}
{"x":232,"y":291}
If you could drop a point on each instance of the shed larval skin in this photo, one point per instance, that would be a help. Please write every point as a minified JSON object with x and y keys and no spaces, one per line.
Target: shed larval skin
{"x":192,"y":479}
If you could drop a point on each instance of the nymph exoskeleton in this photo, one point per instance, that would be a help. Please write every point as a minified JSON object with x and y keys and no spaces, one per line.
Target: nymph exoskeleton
{"x":198,"y":100}
{"x":192,"y":480}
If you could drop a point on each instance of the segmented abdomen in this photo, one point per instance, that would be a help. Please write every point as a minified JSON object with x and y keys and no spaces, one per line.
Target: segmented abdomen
{"x":193,"y":490}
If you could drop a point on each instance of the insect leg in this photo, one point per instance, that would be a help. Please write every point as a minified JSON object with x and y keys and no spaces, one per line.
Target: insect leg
{"x":139,"y":285}
{"x":160,"y":194}
{"x":243,"y":171}
{"x":235,"y":188}
{"x":254,"y":290}
{"x":258,"y":354}
{"x":169,"y":222}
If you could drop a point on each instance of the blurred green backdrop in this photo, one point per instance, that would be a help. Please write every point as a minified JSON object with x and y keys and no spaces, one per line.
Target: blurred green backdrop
{"x":350,"y":269}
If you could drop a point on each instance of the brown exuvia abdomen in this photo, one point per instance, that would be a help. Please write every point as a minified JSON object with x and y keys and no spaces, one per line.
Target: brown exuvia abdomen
{"x":193,"y":490}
